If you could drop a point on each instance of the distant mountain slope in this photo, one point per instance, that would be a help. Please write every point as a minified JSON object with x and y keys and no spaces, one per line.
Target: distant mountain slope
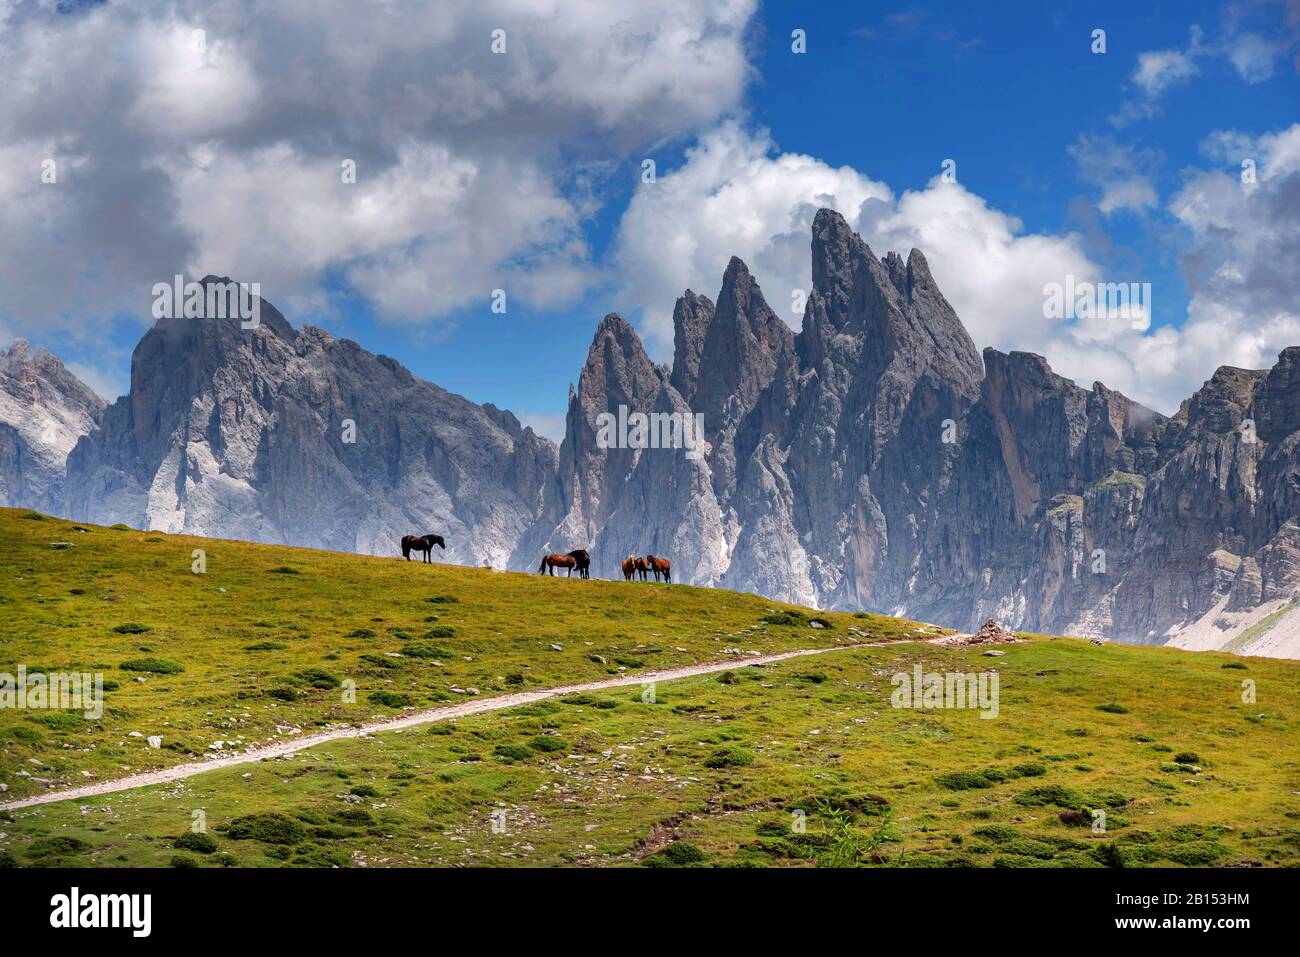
{"x":283,"y":436}
{"x":44,"y":410}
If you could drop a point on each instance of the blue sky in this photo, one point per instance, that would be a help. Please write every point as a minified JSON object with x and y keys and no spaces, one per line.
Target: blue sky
{"x":1106,"y":165}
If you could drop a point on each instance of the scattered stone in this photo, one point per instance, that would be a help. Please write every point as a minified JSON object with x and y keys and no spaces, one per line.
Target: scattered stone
{"x":556,"y":647}
{"x":155,"y":741}
{"x":60,"y":545}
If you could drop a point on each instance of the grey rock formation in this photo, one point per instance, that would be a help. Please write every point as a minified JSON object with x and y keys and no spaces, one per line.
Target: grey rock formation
{"x":876,"y":461}
{"x":284,"y":436}
{"x":44,"y":410}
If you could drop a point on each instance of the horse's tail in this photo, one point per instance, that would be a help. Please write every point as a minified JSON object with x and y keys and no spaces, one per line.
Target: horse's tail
{"x":542,"y":566}
{"x":406,"y":549}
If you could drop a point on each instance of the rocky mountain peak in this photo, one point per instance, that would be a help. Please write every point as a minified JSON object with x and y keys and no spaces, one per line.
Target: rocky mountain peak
{"x":44,"y":410}
{"x":1277,"y":400}
{"x":1223,"y":402}
{"x":691,"y":319}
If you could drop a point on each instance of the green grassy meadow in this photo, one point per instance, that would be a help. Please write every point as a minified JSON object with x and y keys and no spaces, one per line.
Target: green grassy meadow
{"x":803,"y":762}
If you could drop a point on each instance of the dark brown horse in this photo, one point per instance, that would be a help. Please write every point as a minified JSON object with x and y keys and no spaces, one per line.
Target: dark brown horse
{"x":641,"y":567}
{"x":421,"y":543}
{"x":583,"y":559}
{"x":552,"y":562}
{"x":660,"y":566}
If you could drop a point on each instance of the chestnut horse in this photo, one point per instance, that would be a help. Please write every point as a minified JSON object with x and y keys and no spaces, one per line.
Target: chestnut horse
{"x":421,"y":543}
{"x":552,"y":562}
{"x":629,"y":567}
{"x":660,"y":566}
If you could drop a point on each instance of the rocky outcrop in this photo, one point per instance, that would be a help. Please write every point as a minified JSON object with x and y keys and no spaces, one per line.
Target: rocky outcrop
{"x":276,"y":435}
{"x":44,"y":410}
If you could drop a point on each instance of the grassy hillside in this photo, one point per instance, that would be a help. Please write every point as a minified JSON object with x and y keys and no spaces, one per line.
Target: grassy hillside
{"x":716,"y":770}
{"x":259,"y":647}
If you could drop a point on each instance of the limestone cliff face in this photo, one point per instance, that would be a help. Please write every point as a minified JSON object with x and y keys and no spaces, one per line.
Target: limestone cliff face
{"x":285,"y":436}
{"x":44,"y":410}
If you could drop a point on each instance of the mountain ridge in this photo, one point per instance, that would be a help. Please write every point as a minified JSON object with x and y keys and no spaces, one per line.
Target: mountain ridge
{"x":873,"y":459}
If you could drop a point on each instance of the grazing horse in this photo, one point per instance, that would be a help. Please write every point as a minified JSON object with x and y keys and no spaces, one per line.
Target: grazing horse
{"x":629,"y":567}
{"x":552,"y":562}
{"x":421,"y":543}
{"x":660,"y":566}
{"x":583,"y":559}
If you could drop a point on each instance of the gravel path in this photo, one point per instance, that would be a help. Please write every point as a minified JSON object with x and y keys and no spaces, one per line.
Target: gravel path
{"x":447,"y":712}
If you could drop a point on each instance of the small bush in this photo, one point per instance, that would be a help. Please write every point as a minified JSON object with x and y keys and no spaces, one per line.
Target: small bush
{"x":283,"y":694}
{"x":963,"y":780}
{"x":56,"y":847}
{"x":354,"y":816}
{"x":512,"y":752}
{"x":199,"y":843}
{"x":1196,"y":853}
{"x":130,"y":628}
{"x":318,"y":678}
{"x":1050,"y":794}
{"x":7,"y":860}
{"x":728,"y":678}
{"x":443,"y":600}
{"x":360,"y":633}
{"x":997,"y":833}
{"x":388,"y":699}
{"x":1187,"y":757}
{"x":788,"y":619}
{"x":677,"y":854}
{"x":285,"y":570}
{"x":266,"y":646}
{"x":1112,"y":708}
{"x":157,"y":666}
{"x":729,"y":758}
{"x":440,"y":631}
{"x":184,"y":860}
{"x":547,"y":744}
{"x":269,"y":828}
{"x":379,"y":661}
